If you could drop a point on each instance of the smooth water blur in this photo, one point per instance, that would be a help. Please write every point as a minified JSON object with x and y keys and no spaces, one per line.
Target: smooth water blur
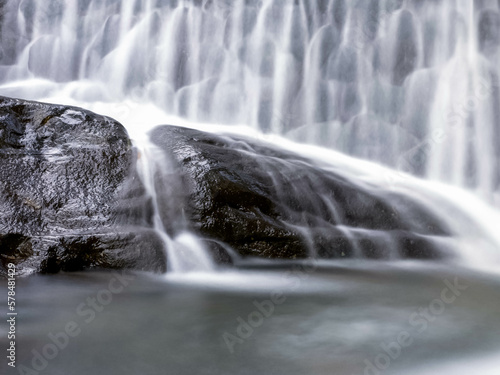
{"x":475,"y":240}
{"x":410,"y":84}
{"x":329,"y":320}
{"x":185,"y":252}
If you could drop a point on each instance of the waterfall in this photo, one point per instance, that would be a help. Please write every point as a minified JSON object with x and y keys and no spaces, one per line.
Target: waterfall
{"x":413,"y":85}
{"x":185,"y":252}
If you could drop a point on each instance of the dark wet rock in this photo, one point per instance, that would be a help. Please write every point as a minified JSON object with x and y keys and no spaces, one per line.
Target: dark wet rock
{"x":266,"y":202}
{"x":221,"y":253}
{"x":375,"y":245}
{"x":137,"y":249}
{"x":69,"y":195}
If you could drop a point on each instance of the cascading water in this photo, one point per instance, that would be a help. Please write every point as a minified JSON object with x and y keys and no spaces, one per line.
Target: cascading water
{"x":412,"y":84}
{"x":396,"y":105}
{"x":409,"y":84}
{"x":184,"y":251}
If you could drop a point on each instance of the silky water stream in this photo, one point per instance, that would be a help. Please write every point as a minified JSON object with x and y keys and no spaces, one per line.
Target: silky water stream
{"x":407,"y":88}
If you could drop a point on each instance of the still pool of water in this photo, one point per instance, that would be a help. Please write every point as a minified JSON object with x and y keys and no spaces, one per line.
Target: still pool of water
{"x":343,"y":318}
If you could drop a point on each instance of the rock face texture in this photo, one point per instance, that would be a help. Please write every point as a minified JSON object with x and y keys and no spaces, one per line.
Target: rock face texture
{"x":266,"y":202}
{"x":70,"y":198}
{"x":69,"y":194}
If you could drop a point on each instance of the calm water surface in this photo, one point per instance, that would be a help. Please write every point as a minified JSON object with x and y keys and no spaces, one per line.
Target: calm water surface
{"x":347,"y":318}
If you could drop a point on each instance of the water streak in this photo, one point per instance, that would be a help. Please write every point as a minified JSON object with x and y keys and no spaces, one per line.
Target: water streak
{"x":413,"y":85}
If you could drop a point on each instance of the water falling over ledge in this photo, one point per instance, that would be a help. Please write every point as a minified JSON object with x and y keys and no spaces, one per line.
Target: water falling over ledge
{"x":383,"y":81}
{"x":184,"y":251}
{"x":302,"y":187}
{"x":411,"y":85}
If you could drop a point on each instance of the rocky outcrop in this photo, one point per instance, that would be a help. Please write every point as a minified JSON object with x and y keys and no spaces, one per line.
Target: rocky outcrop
{"x":266,"y":202}
{"x":69,"y":194}
{"x":71,"y":199}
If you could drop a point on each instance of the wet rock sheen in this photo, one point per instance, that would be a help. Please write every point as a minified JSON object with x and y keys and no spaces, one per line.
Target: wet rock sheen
{"x":69,"y":195}
{"x":266,"y":202}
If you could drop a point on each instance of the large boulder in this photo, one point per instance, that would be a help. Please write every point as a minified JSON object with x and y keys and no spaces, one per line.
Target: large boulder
{"x":69,"y":193}
{"x":262,"y":201}
{"x":71,"y":198}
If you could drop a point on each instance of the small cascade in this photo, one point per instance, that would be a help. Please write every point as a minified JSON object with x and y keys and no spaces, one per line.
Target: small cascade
{"x":410,"y":84}
{"x":185,"y":252}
